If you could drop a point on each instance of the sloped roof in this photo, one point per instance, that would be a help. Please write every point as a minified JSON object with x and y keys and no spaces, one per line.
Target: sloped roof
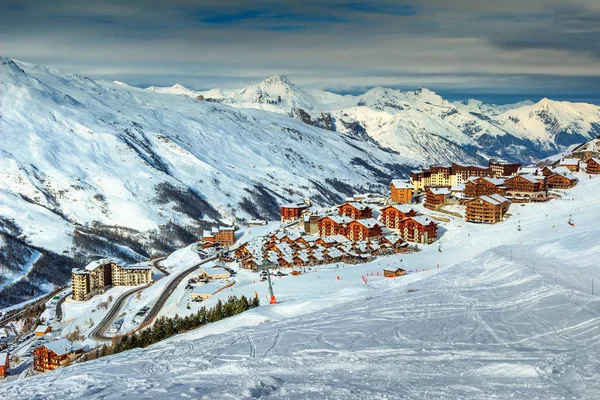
{"x":339,"y":219}
{"x":402,"y":184}
{"x":368,"y":222}
{"x":62,"y":346}
{"x":421,"y":219}
{"x":440,"y":190}
{"x":570,"y":161}
{"x":403,"y":208}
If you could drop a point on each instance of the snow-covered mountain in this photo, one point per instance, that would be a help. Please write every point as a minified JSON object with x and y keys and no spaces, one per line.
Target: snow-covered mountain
{"x":423,"y":125}
{"x":82,"y":160}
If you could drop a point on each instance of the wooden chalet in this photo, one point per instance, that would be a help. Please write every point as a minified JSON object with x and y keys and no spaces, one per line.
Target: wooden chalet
{"x":293,"y":211}
{"x":333,"y":225}
{"x":55,"y":354}
{"x":249,"y":262}
{"x":392,"y":272}
{"x":487,"y":209}
{"x":571,"y":163}
{"x":436,"y":197}
{"x":401,"y":192}
{"x":546,"y":171}
{"x":503,"y":169}
{"x":593,"y":166}
{"x":561,"y":181}
{"x":363,"y":229}
{"x":419,"y":229}
{"x":355,"y":210}
{"x":392,"y":215}
{"x":526,"y":186}
{"x":41,"y":330}
{"x":482,"y":186}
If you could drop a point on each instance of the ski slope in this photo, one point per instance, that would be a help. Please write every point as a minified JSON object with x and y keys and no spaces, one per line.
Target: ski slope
{"x":508,"y":315}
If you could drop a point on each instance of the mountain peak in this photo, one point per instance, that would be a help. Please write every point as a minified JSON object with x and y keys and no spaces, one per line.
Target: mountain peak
{"x":277,"y":80}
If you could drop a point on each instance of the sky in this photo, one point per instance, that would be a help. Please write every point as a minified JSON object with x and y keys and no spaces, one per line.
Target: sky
{"x":496,"y":51}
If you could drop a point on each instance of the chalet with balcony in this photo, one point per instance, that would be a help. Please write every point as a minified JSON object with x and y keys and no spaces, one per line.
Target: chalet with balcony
{"x":436,"y":197}
{"x":484,"y":186}
{"x":500,"y":169}
{"x":333,"y":225}
{"x":561,"y":181}
{"x":355,"y":210}
{"x":293,"y":211}
{"x":571,"y":163}
{"x":526,"y":187}
{"x":593,"y":166}
{"x":487,"y":209}
{"x":55,"y":354}
{"x":401,"y":191}
{"x":363,"y":229}
{"x":392,"y":215}
{"x":419,"y":229}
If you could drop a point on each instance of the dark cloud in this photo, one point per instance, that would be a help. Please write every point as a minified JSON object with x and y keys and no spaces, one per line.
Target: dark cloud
{"x":527,"y":48}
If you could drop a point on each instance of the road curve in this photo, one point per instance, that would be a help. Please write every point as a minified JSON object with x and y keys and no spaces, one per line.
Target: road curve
{"x":98,"y":332}
{"x":168,"y":291}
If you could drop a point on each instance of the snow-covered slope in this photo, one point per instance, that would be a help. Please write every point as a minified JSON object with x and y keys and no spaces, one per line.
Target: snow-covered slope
{"x":423,"y":125}
{"x":80,"y":154}
{"x":509,"y":315}
{"x":81,"y":151}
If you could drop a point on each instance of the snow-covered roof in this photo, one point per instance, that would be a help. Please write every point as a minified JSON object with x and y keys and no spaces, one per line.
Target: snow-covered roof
{"x":207,"y":234}
{"x":494,"y":181}
{"x":4,"y":360}
{"x":596,"y":160}
{"x":214,"y":270}
{"x":527,"y":170}
{"x":339,"y":238}
{"x":339,"y":219}
{"x":298,"y":204}
{"x":63,"y":346}
{"x":226,"y":228}
{"x":335,"y":253}
{"x":358,"y":206}
{"x":402,"y":184}
{"x":440,"y":190}
{"x":421,"y":219}
{"x":567,"y":175}
{"x":457,"y":188}
{"x":368,"y":222}
{"x":95,"y":264}
{"x":561,"y":169}
{"x":41,"y":329}
{"x":403,"y":208}
{"x":494,"y":199}
{"x":570,"y":161}
{"x":392,"y":269}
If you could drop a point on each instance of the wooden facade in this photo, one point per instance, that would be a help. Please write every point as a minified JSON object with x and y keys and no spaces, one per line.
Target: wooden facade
{"x":503,"y":169}
{"x":45,"y":359}
{"x":361,"y":230}
{"x":593,"y":166}
{"x":392,"y":215}
{"x":392,"y":272}
{"x":401,"y":192}
{"x":225,"y":236}
{"x":292,"y":211}
{"x":483,"y":187}
{"x":436,"y":197}
{"x":355,"y":210}
{"x":486,"y":209}
{"x":333,"y":225}
{"x":526,"y":186}
{"x":571,"y":163}
{"x":559,"y":181}
{"x":418,"y":229}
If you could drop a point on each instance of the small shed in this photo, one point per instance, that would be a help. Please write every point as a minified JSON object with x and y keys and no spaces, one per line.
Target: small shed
{"x":41,"y":330}
{"x":392,"y":272}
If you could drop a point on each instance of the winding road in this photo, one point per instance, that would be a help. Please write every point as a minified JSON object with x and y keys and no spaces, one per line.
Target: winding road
{"x":98,"y":332}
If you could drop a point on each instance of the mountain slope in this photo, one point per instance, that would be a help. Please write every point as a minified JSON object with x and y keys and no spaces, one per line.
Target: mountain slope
{"x":423,"y":125}
{"x":507,"y":316}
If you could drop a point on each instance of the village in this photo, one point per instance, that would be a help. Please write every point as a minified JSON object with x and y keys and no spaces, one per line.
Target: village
{"x":411,"y":217}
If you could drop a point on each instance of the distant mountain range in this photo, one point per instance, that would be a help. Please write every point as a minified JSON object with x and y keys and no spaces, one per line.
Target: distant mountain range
{"x":93,"y":168}
{"x":421,"y":124}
